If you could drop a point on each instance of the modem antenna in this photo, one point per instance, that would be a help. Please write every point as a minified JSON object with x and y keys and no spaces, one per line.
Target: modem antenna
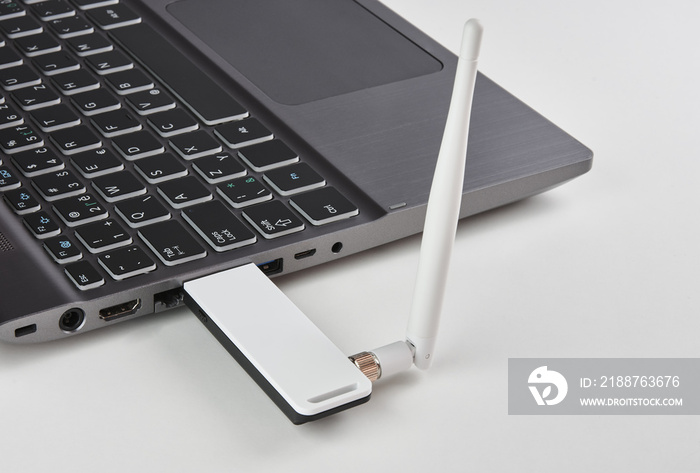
{"x":439,"y":229}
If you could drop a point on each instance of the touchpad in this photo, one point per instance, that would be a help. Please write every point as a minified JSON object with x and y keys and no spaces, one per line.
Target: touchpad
{"x":298,"y":51}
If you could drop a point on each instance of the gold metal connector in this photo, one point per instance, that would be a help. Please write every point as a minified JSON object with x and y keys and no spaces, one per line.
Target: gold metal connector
{"x":368,"y":364}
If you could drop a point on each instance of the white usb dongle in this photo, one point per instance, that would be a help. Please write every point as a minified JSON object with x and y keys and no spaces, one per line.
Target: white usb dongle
{"x":297,"y":366}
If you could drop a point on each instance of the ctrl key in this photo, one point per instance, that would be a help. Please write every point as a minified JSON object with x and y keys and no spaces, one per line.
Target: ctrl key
{"x":84,"y":275}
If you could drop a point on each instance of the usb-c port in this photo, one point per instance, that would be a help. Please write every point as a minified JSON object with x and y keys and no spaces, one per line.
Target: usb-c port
{"x":305,"y":254}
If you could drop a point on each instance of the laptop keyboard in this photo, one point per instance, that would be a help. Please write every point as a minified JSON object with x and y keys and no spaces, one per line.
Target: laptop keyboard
{"x":108,"y":133}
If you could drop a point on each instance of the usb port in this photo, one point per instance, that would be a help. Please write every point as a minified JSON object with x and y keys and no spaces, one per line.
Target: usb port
{"x":271,"y":267}
{"x":305,"y":254}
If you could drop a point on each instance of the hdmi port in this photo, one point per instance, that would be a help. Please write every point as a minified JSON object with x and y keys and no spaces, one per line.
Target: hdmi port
{"x":121,"y":310}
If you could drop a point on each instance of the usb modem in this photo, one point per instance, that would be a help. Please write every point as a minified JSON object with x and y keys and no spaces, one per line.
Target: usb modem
{"x":298,"y":367}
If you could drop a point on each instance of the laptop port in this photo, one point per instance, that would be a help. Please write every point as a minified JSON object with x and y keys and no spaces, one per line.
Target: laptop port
{"x":22,"y":331}
{"x":271,"y":267}
{"x":121,"y":310}
{"x":305,"y":254}
{"x":71,"y":320}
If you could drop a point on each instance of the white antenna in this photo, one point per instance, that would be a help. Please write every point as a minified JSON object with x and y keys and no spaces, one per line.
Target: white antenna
{"x":440,"y":226}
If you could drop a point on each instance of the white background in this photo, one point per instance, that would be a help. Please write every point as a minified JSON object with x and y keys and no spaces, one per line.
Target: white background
{"x":604,"y":266}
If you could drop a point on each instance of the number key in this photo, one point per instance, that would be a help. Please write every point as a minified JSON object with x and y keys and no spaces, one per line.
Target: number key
{"x":58,"y":185}
{"x":9,"y":117}
{"x":19,"y":138}
{"x":37,"y":161}
{"x":103,"y":236}
{"x":79,"y":210}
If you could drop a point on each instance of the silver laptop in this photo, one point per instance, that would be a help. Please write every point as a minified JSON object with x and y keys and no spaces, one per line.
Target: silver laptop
{"x":147,"y":143}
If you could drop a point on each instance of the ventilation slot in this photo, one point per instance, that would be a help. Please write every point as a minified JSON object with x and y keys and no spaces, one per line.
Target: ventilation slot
{"x":5,"y":244}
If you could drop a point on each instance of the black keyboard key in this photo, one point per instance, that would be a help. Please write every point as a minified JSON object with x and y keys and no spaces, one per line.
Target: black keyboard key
{"x":42,"y":224}
{"x":152,"y":101}
{"x":58,"y":185}
{"x":142,"y":211}
{"x":243,"y":192}
{"x":8,"y":179}
{"x":35,"y":97}
{"x":113,"y":16}
{"x":322,"y":206}
{"x":55,"y":118}
{"x":75,"y":82}
{"x":118,"y":122}
{"x":171,"y":242}
{"x":84,"y":275}
{"x":129,"y":82}
{"x":184,"y":192}
{"x":17,"y":77}
{"x":195,"y":144}
{"x":172,"y":122}
{"x":109,"y":62}
{"x":53,"y":9}
{"x":11,"y":10}
{"x":137,"y":145}
{"x":9,"y":58}
{"x":273,"y":219}
{"x":96,"y":163}
{"x":37,"y":44}
{"x":22,"y":201}
{"x":89,"y":44}
{"x":117,"y":186}
{"x":218,"y":226}
{"x":80,"y":210}
{"x":77,"y":139}
{"x":219,"y":167}
{"x":62,"y":249}
{"x":20,"y":26}
{"x":89,"y":4}
{"x":160,"y":168}
{"x":56,"y":63}
{"x":103,"y":236}
{"x":38,"y":161}
{"x":71,"y":27}
{"x":268,"y":155}
{"x":126,"y":262}
{"x":9,"y":117}
{"x":198,"y":91}
{"x":243,"y":133}
{"x":95,"y":102}
{"x":294,"y":179}
{"x":19,"y":138}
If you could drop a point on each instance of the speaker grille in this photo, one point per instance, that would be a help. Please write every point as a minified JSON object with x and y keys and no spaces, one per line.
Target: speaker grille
{"x":5,"y":244}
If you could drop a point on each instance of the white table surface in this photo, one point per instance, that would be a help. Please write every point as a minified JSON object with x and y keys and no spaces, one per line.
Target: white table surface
{"x":604,"y":266}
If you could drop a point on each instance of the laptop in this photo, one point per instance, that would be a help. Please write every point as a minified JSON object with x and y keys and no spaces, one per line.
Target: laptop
{"x":147,"y":143}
